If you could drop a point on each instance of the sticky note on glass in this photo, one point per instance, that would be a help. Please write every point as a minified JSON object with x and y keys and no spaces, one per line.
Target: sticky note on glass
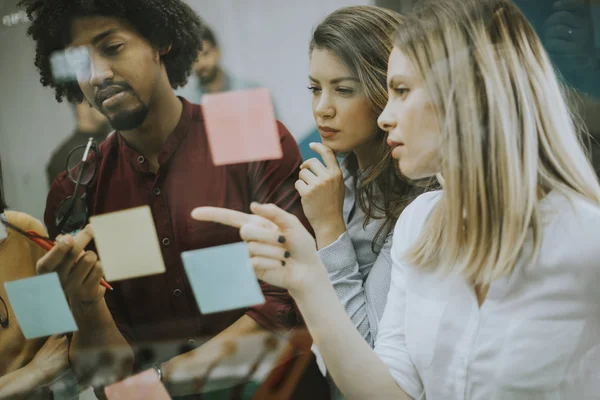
{"x":143,"y":386}
{"x":222,"y":278}
{"x":40,"y":306}
{"x":241,"y":126}
{"x":69,"y":64}
{"x":127,"y":244}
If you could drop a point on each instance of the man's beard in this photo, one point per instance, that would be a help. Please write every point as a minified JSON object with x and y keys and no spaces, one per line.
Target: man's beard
{"x":128,"y":120}
{"x":212,"y":75}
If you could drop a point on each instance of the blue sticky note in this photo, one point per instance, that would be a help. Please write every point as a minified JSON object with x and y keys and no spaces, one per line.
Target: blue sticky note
{"x":40,"y":306}
{"x":222,"y":278}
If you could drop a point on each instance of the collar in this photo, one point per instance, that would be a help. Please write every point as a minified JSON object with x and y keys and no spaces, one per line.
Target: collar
{"x":138,"y":160}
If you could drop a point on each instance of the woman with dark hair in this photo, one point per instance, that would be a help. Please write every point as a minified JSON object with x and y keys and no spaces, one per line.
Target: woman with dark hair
{"x":352,"y":205}
{"x":26,"y":366}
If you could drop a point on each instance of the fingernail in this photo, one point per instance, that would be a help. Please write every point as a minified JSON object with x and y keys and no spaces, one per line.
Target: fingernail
{"x":283,"y":263}
{"x":281,"y":239}
{"x":287,"y":254}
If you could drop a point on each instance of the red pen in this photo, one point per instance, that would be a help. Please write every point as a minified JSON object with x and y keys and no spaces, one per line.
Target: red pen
{"x":48,"y":244}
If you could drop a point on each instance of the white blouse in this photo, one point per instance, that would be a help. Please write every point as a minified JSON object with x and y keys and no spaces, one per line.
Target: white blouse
{"x":537,"y":334}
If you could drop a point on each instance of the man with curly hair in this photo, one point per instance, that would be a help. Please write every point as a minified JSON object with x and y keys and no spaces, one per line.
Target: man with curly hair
{"x":139,"y":51}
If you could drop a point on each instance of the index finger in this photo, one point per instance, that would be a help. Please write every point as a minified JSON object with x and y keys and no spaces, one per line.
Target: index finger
{"x":56,"y":256}
{"x":221,"y":215}
{"x":82,"y":239}
{"x":327,"y":154}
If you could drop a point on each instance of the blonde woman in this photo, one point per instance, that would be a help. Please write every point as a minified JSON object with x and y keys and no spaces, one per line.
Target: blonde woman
{"x":494,"y":291}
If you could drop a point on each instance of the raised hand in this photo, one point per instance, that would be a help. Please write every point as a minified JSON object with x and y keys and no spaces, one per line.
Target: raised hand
{"x":282,"y":251}
{"x":79,"y":272}
{"x":322,"y":190}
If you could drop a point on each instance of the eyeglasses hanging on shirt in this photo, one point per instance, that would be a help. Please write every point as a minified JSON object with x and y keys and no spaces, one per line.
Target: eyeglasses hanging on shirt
{"x":82,"y":164}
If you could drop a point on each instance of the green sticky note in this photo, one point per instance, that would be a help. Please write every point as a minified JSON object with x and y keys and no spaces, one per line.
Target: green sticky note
{"x":40,"y":306}
{"x":222,"y":278}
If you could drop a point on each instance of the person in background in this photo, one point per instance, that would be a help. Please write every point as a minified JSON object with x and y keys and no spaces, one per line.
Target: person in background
{"x":27,"y":367}
{"x":208,"y":75}
{"x":494,"y":291}
{"x":90,"y":124}
{"x":570,"y":35}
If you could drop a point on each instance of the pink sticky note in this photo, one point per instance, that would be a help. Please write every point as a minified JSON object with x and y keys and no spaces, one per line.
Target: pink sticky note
{"x":241,"y":126}
{"x":143,"y":386}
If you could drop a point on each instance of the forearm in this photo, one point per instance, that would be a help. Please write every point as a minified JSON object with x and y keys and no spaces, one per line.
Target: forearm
{"x":359,"y":376}
{"x":351,"y":294}
{"x":212,"y":348}
{"x":97,"y":333}
{"x":343,"y":271}
{"x":20,"y":383}
{"x":327,"y":232}
{"x":243,"y":326}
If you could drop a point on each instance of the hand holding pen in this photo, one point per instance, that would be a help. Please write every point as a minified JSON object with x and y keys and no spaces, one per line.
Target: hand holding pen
{"x":45,"y":243}
{"x":80,"y":274}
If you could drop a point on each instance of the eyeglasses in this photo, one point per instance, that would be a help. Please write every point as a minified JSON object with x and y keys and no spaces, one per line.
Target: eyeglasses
{"x":3,"y":313}
{"x":82,"y":163}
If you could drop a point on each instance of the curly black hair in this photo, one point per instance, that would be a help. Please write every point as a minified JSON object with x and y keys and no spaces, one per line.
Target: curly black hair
{"x":162,"y":22}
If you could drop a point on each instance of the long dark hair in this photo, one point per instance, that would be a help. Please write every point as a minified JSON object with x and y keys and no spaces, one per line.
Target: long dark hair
{"x":361,"y":36}
{"x":3,"y":205}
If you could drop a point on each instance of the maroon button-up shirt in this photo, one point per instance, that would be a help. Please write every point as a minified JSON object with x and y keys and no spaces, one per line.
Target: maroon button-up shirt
{"x":162,"y":307}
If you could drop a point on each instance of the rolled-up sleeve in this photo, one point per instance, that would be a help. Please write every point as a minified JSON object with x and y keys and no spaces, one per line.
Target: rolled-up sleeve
{"x":343,"y":269}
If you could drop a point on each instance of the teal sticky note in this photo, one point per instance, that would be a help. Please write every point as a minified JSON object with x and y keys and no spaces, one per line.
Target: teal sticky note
{"x":222,"y":278}
{"x":40,"y":306}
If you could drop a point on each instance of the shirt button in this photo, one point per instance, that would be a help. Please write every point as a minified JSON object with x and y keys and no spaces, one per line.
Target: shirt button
{"x":141,"y":159}
{"x":192,"y":342}
{"x":177,"y":292}
{"x":156,"y":191}
{"x":166,"y":241}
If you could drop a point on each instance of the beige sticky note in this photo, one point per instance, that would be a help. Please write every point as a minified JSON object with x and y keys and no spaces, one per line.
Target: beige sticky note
{"x":127,"y":244}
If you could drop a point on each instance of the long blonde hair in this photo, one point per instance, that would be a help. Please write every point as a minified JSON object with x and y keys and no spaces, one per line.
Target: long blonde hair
{"x":508,"y":135}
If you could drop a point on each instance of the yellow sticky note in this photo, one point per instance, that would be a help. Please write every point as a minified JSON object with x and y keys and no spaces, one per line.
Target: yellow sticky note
{"x":127,"y":244}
